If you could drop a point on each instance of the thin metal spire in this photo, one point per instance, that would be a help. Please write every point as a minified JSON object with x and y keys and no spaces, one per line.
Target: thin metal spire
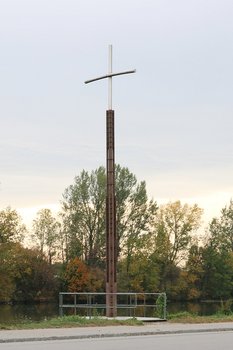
{"x":109,"y":76}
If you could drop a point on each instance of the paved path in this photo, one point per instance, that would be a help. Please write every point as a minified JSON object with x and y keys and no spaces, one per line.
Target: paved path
{"x":8,"y":336}
{"x":190,"y":341}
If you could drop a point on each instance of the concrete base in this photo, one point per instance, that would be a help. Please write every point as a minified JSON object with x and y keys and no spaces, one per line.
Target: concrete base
{"x":143,"y":319}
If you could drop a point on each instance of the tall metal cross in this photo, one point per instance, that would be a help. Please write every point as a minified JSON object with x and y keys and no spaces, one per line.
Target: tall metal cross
{"x":111,"y":236}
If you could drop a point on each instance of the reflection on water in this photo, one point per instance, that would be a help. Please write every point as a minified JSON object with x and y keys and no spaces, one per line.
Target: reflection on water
{"x":34,"y":312}
{"x":38,"y":312}
{"x":199,"y":308}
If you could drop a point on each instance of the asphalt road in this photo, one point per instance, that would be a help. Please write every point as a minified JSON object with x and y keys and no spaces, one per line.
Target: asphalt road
{"x":194,"y":341}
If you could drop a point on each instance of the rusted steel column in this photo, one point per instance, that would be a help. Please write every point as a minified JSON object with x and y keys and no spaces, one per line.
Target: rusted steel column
{"x":111,"y":244}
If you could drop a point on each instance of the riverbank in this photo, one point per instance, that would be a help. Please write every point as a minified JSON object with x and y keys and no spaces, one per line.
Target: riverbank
{"x":189,"y":318}
{"x":77,"y":321}
{"x":18,"y":312}
{"x":69,"y":322}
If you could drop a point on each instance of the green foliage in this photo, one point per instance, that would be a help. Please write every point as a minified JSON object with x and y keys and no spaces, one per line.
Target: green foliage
{"x":226,"y":307}
{"x":25,"y":274}
{"x":175,"y":223}
{"x":157,"y":248}
{"x":84,"y":215}
{"x":192,"y":274}
{"x":135,"y":214}
{"x":11,"y":227}
{"x":221,"y":230}
{"x":143,"y":275}
{"x":174,"y":227}
{"x":161,"y":306}
{"x":71,"y":321}
{"x":187,"y":317}
{"x":45,"y":230}
{"x":33,"y":275}
{"x":181,"y":315}
{"x":217,"y":256}
{"x":7,"y":283}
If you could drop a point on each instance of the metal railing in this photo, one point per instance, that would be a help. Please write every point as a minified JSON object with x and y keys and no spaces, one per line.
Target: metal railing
{"x":153,"y":305}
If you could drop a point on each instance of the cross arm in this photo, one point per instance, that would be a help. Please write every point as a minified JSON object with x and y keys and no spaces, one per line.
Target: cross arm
{"x":110,"y":76}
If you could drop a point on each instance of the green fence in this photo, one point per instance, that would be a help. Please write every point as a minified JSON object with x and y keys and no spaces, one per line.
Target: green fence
{"x":143,"y":305}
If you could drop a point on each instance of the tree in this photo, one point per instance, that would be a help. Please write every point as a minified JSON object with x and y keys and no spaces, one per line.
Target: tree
{"x":45,"y":229}
{"x":141,"y":276}
{"x":174,"y":226}
{"x":221,"y":230}
{"x":33,"y":275}
{"x":7,"y":285}
{"x":135,"y":213}
{"x":77,"y":276}
{"x":217,"y":281}
{"x":173,"y":231}
{"x":84,"y":214}
{"x":218,"y":256}
{"x":96,"y":281}
{"x":11,"y":227}
{"x":193,"y":273}
{"x":24,"y":274}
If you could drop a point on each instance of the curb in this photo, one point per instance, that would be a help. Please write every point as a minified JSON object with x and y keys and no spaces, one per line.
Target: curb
{"x":112,"y":335}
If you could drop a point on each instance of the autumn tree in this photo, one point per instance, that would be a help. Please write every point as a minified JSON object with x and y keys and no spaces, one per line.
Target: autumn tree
{"x":76,"y":276}
{"x":45,"y":230}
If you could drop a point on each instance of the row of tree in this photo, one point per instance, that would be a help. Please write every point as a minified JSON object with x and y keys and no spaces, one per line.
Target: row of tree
{"x":158,"y":247}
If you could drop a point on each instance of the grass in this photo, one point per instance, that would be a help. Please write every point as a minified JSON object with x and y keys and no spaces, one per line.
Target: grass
{"x":186,"y":317}
{"x":69,"y":322}
{"x":80,"y":321}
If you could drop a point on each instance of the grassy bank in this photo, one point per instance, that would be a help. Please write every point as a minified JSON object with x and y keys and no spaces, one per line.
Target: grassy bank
{"x":68,"y":322}
{"x":186,"y":317}
{"x":77,"y":321}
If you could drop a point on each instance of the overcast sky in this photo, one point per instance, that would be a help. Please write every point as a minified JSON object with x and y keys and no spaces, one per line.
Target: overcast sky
{"x":174,"y":117}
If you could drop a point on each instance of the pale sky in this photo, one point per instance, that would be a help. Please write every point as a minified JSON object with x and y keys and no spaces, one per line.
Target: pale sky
{"x":174,"y":117}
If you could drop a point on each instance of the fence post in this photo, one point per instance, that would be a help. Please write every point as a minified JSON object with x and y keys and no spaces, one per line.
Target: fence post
{"x":165,"y":307}
{"x":60,"y":305}
{"x":89,"y":306}
{"x":75,"y":304}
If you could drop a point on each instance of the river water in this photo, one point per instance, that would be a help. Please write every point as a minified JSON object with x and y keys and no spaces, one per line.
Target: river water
{"x":37,"y":312}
